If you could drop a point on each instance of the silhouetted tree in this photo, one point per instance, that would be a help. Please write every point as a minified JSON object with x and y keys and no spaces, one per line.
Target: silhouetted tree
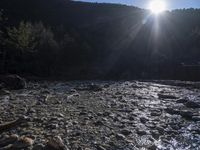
{"x":117,"y":40}
{"x":22,"y":38}
{"x":47,"y":48}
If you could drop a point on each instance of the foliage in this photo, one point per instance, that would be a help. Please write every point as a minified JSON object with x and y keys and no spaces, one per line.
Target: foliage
{"x":22,"y":38}
{"x":90,"y":40}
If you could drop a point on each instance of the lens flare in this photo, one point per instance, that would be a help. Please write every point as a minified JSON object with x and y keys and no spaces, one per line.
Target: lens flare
{"x":157,"y":6}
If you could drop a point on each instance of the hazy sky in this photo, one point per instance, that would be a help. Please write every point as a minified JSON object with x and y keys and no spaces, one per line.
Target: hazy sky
{"x":172,"y":4}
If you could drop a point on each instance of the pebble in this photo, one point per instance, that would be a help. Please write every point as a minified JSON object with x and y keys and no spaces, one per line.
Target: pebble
{"x":9,"y":140}
{"x":182,"y":100}
{"x":191,"y":104}
{"x":143,"y":120}
{"x":23,"y":142}
{"x":56,"y":143}
{"x":141,"y":132}
{"x":99,"y":147}
{"x":163,"y":96}
{"x":115,"y":121}
{"x":120,"y":137}
{"x":196,"y":118}
{"x":38,"y":147}
{"x":125,"y":132}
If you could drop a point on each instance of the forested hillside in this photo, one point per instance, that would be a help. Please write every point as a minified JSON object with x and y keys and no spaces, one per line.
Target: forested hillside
{"x":76,"y":40}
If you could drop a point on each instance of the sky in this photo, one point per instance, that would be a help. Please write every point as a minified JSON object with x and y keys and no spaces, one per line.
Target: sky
{"x":171,"y":4}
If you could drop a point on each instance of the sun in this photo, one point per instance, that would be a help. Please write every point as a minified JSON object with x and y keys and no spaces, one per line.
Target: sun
{"x":157,"y":6}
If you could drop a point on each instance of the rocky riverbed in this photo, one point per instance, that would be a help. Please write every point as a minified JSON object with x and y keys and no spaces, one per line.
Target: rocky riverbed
{"x":101,"y":116}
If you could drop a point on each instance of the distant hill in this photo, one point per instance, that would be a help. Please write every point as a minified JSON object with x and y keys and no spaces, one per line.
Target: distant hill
{"x":124,"y":41}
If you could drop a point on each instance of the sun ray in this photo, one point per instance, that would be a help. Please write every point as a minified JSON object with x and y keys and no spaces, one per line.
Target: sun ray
{"x":157,"y":6}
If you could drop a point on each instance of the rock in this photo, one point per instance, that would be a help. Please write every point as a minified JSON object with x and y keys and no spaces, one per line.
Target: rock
{"x":156,"y":113}
{"x":45,"y":91}
{"x":83,"y":113}
{"x":53,"y":126}
{"x":153,"y":147}
{"x":98,"y":123}
{"x":13,"y":82}
{"x":106,"y":113}
{"x":9,"y":140}
{"x":106,"y":86}
{"x":141,"y":132}
{"x":4,"y":92}
{"x":12,"y":124}
{"x":160,"y":129}
{"x":60,"y":115}
{"x":38,"y":147}
{"x":23,"y":142}
{"x":31,"y":111}
{"x":163,"y":96}
{"x":94,"y":87}
{"x":172,"y":111}
{"x":191,"y":104}
{"x":126,"y":132}
{"x":143,"y":120}
{"x":196,"y":118}
{"x":186,"y":114}
{"x":120,"y":137}
{"x":99,"y":147}
{"x":182,"y":100}
{"x":56,"y":143}
{"x":155,"y":134}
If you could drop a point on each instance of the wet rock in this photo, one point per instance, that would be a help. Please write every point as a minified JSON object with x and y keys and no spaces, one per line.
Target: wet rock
{"x":156,"y":113}
{"x":83,"y":113}
{"x":107,"y":113}
{"x":141,"y":132}
{"x":125,"y":132}
{"x":120,"y":137}
{"x":182,"y":100}
{"x":131,"y":118}
{"x":163,"y":96}
{"x":153,"y":147}
{"x":98,"y":123}
{"x":172,"y":111}
{"x":155,"y":134}
{"x":56,"y":143}
{"x":196,"y":118}
{"x":143,"y":120}
{"x":186,"y":114}
{"x":191,"y":104}
{"x":160,"y":129}
{"x":13,"y":82}
{"x":99,"y":147}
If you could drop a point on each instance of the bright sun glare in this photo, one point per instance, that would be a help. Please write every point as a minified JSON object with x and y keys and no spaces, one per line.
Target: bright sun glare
{"x":157,"y":6}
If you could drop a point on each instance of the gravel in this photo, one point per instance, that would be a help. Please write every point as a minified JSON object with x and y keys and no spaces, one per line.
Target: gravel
{"x":101,"y":115}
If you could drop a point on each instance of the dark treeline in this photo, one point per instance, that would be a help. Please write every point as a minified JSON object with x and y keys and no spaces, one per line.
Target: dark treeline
{"x":76,"y":40}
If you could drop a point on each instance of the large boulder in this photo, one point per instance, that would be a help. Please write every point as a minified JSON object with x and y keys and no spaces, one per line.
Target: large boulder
{"x":13,"y":82}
